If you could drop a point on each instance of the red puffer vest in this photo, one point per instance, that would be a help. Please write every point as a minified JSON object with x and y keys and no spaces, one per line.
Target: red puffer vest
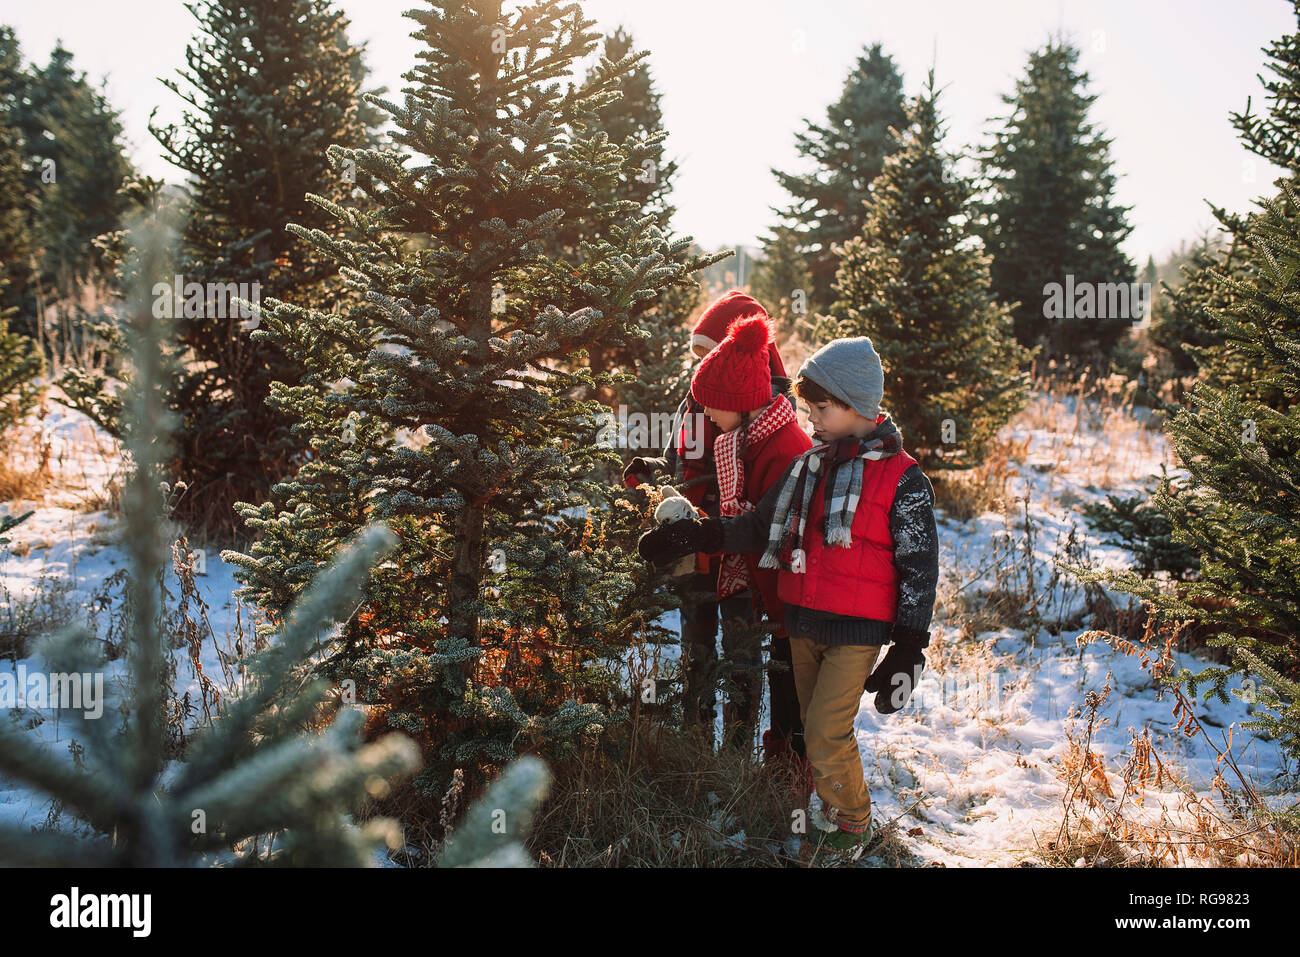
{"x":860,"y":580}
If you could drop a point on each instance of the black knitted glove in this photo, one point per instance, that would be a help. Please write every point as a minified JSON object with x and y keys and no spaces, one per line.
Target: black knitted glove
{"x":899,"y":671}
{"x":638,"y":470}
{"x":667,"y":543}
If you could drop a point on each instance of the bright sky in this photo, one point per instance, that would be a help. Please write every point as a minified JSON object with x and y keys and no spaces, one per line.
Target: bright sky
{"x":737,"y":77}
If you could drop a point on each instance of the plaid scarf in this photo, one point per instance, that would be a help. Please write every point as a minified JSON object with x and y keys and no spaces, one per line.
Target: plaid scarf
{"x":733,"y":575}
{"x":843,"y":489}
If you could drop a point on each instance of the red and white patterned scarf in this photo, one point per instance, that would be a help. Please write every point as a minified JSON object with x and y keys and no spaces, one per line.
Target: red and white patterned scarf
{"x":733,"y":575}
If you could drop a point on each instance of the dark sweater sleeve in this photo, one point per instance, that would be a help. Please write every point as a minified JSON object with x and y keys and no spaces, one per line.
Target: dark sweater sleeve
{"x":747,"y":534}
{"x":916,"y":549}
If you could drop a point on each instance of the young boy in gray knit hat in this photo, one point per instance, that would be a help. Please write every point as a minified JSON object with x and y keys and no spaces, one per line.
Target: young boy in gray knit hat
{"x":858,"y":567}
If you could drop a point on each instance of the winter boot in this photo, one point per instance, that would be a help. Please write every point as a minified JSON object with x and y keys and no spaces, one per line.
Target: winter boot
{"x":830,"y":847}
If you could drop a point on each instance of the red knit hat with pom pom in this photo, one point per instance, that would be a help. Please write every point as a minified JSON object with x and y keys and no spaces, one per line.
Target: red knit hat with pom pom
{"x":711,"y":328}
{"x":736,"y":375}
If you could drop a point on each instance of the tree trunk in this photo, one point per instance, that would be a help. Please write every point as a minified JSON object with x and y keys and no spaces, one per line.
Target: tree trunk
{"x":466,"y":573}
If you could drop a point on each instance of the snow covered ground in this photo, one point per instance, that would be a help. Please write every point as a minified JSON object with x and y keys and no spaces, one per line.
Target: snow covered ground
{"x":968,"y":769}
{"x":59,"y":568}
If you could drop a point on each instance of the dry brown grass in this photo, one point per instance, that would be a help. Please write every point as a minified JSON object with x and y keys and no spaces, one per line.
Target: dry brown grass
{"x":670,"y":801}
{"x":1064,"y":410}
{"x":25,"y":470}
{"x":963,"y":495}
{"x":1105,"y":828}
{"x":82,"y":469}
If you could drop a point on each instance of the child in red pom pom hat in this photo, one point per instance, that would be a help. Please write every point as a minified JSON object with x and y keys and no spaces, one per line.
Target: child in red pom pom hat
{"x":760,"y":437}
{"x":689,"y":460}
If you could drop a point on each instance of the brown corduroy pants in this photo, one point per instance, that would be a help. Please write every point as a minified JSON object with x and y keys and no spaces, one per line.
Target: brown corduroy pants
{"x":828,"y":680}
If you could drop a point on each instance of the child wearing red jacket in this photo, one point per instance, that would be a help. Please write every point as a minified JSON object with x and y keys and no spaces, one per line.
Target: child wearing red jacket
{"x":688,"y":461}
{"x":759,"y":436}
{"x":850,"y":529}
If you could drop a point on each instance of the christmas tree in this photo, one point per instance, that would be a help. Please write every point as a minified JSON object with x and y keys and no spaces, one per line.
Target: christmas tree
{"x":20,"y":363}
{"x":254,"y":775}
{"x":74,"y":167}
{"x":1240,"y":442}
{"x":917,"y":287}
{"x":270,"y":84}
{"x":650,"y":370}
{"x":447,"y":405}
{"x":782,"y":281}
{"x":20,"y":368}
{"x":96,"y":389}
{"x":847,"y":152}
{"x":1179,"y":324}
{"x":1051,"y":219}
{"x":16,"y":250}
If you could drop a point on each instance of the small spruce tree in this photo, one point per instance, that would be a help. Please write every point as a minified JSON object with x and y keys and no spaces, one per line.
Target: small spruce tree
{"x":447,"y":406}
{"x":21,"y":367}
{"x":1240,"y":442}
{"x":914,"y":283}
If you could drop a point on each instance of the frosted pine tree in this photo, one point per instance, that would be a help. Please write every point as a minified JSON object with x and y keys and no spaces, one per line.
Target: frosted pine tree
{"x":446,"y":406}
{"x":913,"y":283}
{"x":653,"y":369}
{"x":269,"y":85}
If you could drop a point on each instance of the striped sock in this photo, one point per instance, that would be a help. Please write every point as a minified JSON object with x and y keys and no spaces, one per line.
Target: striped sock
{"x":855,"y":828}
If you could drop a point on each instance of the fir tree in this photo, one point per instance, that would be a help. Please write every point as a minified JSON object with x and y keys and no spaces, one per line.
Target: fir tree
{"x":20,"y":363}
{"x":1051,"y":213}
{"x":1179,"y":322}
{"x":95,"y":389}
{"x":658,"y":366}
{"x":847,"y":153}
{"x":20,"y":369}
{"x":75,"y":166}
{"x":917,"y":287}
{"x":16,"y":251}
{"x":445,"y":407}
{"x":652,"y":366}
{"x":270,"y":84}
{"x":1149,"y":272}
{"x":782,"y":280}
{"x":254,"y":774}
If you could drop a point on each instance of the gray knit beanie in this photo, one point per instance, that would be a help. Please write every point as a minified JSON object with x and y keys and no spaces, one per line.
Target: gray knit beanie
{"x":850,"y":370}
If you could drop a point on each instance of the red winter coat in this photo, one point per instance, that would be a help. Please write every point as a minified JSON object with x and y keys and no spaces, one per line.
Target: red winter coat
{"x":860,"y":580}
{"x":765,"y":461}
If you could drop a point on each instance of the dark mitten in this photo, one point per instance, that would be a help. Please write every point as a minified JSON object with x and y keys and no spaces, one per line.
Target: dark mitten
{"x":899,"y":672}
{"x":638,"y":471}
{"x":667,"y":543}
